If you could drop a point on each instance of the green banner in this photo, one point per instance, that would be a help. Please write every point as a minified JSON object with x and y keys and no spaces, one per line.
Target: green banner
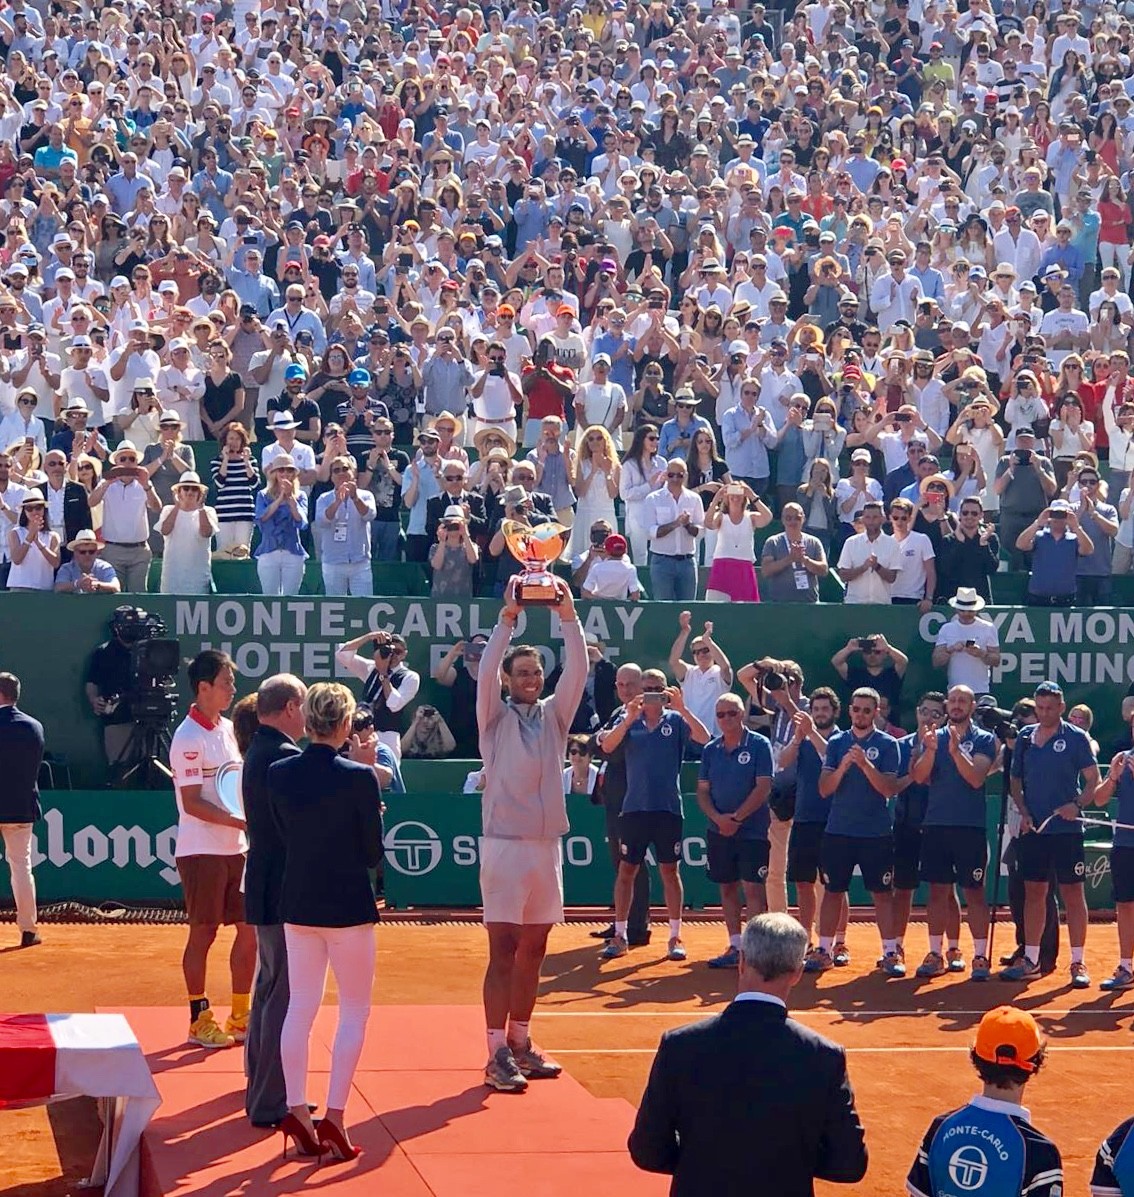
{"x":100,"y":846}
{"x":48,"y":643}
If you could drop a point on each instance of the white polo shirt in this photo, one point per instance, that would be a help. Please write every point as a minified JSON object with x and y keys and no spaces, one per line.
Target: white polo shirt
{"x":124,"y":516}
{"x":701,"y":688}
{"x":869,"y":587}
{"x":198,"y":749}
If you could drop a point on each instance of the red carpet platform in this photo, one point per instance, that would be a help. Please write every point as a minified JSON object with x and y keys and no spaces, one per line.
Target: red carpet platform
{"x":426,"y":1124}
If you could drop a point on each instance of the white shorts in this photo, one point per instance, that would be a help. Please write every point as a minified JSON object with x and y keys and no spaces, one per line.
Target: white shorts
{"x":521,"y":881}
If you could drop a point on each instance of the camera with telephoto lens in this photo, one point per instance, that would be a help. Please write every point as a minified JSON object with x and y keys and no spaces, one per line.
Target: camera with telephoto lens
{"x":989,"y":717}
{"x":155,"y":660}
{"x":773,"y":680}
{"x":385,"y":651}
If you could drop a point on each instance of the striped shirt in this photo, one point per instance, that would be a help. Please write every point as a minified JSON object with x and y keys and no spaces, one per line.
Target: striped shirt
{"x":236,"y":492}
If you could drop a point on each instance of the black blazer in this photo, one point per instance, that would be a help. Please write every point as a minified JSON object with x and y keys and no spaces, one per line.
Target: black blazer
{"x":263,"y":873}
{"x":328,"y":811}
{"x":478,"y":521}
{"x":590,"y":716}
{"x":748,"y":1102}
{"x":21,"y":750}
{"x":76,"y":513}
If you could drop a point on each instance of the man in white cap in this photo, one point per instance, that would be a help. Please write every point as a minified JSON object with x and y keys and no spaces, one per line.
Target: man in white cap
{"x":180,"y":386}
{"x":23,"y":424}
{"x":32,"y":366}
{"x":86,"y":572}
{"x":83,"y":379}
{"x":132,"y":361}
{"x":127,"y":497}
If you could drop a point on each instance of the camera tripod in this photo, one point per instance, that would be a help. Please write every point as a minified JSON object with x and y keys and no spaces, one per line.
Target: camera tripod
{"x":140,"y":761}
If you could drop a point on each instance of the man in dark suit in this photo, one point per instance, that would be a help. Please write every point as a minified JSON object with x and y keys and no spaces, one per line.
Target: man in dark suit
{"x":749,"y":1100}
{"x":21,"y":754}
{"x":454,"y":477}
{"x":279,"y":709}
{"x":58,"y":488}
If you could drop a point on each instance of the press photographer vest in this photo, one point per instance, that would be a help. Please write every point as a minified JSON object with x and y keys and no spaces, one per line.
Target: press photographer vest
{"x":385,"y":720}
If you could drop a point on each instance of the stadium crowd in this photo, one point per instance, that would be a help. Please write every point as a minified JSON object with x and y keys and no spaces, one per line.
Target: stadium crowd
{"x":353,"y":284}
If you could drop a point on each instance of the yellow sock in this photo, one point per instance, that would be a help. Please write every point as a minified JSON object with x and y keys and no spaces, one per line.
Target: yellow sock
{"x":241,"y":1004}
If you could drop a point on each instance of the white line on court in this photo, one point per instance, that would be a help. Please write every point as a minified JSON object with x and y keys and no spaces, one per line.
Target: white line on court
{"x":649,"y":1051}
{"x":1123,"y":1012}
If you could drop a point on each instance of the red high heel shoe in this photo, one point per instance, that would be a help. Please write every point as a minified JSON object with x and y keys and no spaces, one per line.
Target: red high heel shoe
{"x":332,"y":1140}
{"x":291,"y":1128}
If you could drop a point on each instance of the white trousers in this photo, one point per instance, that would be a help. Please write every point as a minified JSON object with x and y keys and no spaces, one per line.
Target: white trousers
{"x":280,"y":572}
{"x":350,"y":953}
{"x":637,"y":533}
{"x":17,"y":848}
{"x":344,"y":579}
{"x":229,"y":535}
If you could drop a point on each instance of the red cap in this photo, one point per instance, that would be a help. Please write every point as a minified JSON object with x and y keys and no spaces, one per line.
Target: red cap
{"x":852,"y":371}
{"x":614,"y":545}
{"x":565,"y":309}
{"x":898,"y":164}
{"x":321,"y":241}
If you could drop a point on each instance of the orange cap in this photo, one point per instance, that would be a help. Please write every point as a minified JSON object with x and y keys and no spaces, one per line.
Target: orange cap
{"x":1009,"y":1036}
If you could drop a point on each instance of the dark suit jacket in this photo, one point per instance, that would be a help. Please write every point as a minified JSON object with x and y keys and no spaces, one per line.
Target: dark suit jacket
{"x":748,"y":1102}
{"x":76,"y":513}
{"x":263,"y":874}
{"x":590,"y":716}
{"x":328,"y":813}
{"x":21,"y":754}
{"x":478,"y":522}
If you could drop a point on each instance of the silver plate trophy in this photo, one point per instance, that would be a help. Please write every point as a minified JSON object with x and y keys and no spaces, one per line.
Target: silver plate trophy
{"x":230,"y":794}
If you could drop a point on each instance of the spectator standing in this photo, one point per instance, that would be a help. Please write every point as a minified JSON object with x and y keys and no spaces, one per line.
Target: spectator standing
{"x":33,"y":547}
{"x":126,"y":499}
{"x":968,"y":648}
{"x":969,"y":556}
{"x":748,"y":432}
{"x":675,"y":517}
{"x":67,"y":506}
{"x":869,"y":561}
{"x":916,"y":582}
{"x":281,"y":513}
{"x":343,"y":518}
{"x":454,"y":557}
{"x":732,"y":1070}
{"x":708,"y":676}
{"x":235,"y":482}
{"x":1099,"y":520}
{"x":853,"y":493}
{"x":1024,"y":484}
{"x":792,"y":562}
{"x":882,"y":667}
{"x":381,"y":471}
{"x":734,"y":515}
{"x":188,"y":527}
{"x":643,"y":470}
{"x":457,"y":671}
{"x":1057,"y":542}
{"x":421,"y":483}
{"x":21,"y":754}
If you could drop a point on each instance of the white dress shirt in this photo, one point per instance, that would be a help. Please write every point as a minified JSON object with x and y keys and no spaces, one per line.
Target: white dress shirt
{"x":663,"y":508}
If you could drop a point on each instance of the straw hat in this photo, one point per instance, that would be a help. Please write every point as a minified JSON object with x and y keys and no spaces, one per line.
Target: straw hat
{"x":456,"y":421}
{"x":484,"y":433}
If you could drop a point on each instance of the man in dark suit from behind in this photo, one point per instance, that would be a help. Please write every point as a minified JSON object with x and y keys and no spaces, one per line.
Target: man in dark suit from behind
{"x":750,"y":1100}
{"x":21,"y":754}
{"x":279,"y":709}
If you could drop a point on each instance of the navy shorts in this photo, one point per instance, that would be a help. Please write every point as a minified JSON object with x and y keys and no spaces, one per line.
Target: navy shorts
{"x":874,"y":856}
{"x":640,"y":830}
{"x":954,"y":856}
{"x":804,"y":844}
{"x":1122,"y":873}
{"x":907,"y":856}
{"x":1038,"y":855}
{"x":731,"y":859}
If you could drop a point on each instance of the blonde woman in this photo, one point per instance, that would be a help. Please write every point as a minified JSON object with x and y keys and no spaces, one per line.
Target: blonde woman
{"x":281,"y":513}
{"x":328,"y":811}
{"x":734,"y":515}
{"x":597,"y":479}
{"x":817,"y":498}
{"x":187,"y":527}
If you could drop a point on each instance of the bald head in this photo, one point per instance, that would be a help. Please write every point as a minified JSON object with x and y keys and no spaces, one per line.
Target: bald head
{"x":276,"y":693}
{"x":628,"y":681}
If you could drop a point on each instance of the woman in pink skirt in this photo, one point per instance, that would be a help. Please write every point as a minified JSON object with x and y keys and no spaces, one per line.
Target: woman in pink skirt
{"x":734,"y":514}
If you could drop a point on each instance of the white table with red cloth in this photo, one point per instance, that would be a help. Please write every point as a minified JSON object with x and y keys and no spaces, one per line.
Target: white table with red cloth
{"x":48,"y":1057}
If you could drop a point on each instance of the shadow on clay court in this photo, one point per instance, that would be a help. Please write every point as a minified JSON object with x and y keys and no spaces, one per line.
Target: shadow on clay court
{"x":579,"y":971}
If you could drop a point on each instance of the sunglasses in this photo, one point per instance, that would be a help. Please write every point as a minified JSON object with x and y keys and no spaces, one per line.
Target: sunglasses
{"x":29,"y":402}
{"x":84,"y":552}
{"x":702,"y":652}
{"x":454,"y":477}
{"x":731,"y":713}
{"x":675,"y":474}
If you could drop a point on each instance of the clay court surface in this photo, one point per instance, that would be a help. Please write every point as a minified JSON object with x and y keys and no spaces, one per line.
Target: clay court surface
{"x":906,"y":1040}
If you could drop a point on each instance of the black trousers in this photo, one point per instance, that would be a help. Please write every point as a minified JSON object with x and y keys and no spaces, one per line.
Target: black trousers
{"x":638,"y":925}
{"x":1049,"y":941}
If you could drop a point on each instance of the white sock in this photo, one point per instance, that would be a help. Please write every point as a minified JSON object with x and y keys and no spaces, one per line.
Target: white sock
{"x":900,"y":943}
{"x":734,"y":941}
{"x":675,"y":928}
{"x":1076,"y":955}
{"x":954,"y":944}
{"x":935,"y":944}
{"x":826,"y":942}
{"x":518,"y":1033}
{"x":1127,"y":964}
{"x":980,"y":947}
{"x":496,"y":1040}
{"x":620,"y":928}
{"x":889,"y":947}
{"x":1032,"y":952}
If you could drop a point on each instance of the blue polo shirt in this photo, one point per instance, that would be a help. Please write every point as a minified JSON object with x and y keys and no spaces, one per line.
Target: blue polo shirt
{"x":732,"y":776}
{"x":857,"y":808}
{"x":1124,"y":792}
{"x":653,"y":765}
{"x":810,"y":805}
{"x":1050,"y":773}
{"x":952,"y":801}
{"x":1054,"y":565}
{"x":909,"y":805}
